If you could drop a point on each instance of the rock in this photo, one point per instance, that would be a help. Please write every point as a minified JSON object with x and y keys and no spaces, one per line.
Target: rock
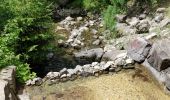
{"x":108,"y":65}
{"x":151,"y":36}
{"x":167,"y":78}
{"x":120,"y":18}
{"x":28,"y":83}
{"x":159,"y":18}
{"x":143,"y":26}
{"x":95,"y":37}
{"x":78,"y":69}
{"x":120,"y":59}
{"x":4,"y":90}
{"x":96,"y":42}
{"x":63,"y":71}
{"x":164,"y":22}
{"x":159,"y":56}
{"x":9,"y":74}
{"x":160,"y":10}
{"x":129,"y":63}
{"x":94,"y":64}
{"x":94,"y":31}
{"x":37,"y":81}
{"x":89,"y":56}
{"x":59,"y":28}
{"x":53,"y":75}
{"x":83,"y":29}
{"x":69,"y":18}
{"x":142,"y":16}
{"x":64,"y":78}
{"x":108,"y":48}
{"x":133,"y":22}
{"x":79,"y":18}
{"x":138,"y":49}
{"x":111,"y":55}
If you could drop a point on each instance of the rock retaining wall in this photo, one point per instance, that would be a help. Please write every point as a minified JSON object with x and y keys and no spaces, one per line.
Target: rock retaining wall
{"x":8,"y":84}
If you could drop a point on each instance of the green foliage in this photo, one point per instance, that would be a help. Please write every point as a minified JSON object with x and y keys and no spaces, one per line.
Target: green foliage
{"x":115,"y":7}
{"x":24,"y":34}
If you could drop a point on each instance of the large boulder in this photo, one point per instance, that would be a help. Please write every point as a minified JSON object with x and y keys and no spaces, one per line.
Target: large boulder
{"x":111,"y":55}
{"x":159,"y":56}
{"x":88,"y":56}
{"x":4,"y":90}
{"x":138,"y":49}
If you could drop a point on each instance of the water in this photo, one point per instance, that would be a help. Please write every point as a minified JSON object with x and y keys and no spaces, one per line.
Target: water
{"x":132,"y":84}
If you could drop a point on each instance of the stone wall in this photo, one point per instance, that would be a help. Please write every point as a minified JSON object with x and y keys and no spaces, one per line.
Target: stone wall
{"x":8,"y":84}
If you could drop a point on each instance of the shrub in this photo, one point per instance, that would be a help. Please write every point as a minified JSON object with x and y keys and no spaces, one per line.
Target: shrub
{"x":24,"y":34}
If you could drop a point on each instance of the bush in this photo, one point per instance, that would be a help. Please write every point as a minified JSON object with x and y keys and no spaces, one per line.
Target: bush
{"x":24,"y":34}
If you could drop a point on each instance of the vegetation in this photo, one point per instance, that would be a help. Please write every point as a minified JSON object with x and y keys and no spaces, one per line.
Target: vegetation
{"x":24,"y":34}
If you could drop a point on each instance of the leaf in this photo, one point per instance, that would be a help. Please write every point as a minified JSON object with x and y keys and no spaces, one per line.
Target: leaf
{"x":32,"y":48}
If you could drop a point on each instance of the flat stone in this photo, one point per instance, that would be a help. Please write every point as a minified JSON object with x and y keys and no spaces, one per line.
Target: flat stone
{"x":138,"y":49}
{"x":159,"y":56}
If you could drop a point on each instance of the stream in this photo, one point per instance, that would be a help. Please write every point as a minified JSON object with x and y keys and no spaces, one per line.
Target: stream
{"x":128,"y":84}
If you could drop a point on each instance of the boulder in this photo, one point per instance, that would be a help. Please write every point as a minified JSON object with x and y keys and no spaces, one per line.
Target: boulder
{"x":111,"y":55}
{"x":143,"y":26}
{"x":88,"y":56}
{"x":159,"y":56}
{"x":138,"y":49}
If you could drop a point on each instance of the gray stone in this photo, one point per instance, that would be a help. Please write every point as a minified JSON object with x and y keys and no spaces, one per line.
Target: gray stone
{"x":120,"y":18}
{"x":151,"y":36}
{"x":37,"y":81}
{"x":94,"y":31}
{"x":159,"y":18}
{"x":111,"y":55}
{"x":164,"y":22}
{"x":78,"y":69}
{"x":97,"y":42}
{"x":4,"y":90}
{"x":108,"y":65}
{"x":160,"y":10}
{"x":63,"y":71}
{"x":138,"y":49}
{"x":120,"y":59}
{"x":143,"y":26}
{"x":53,"y":75}
{"x":142,"y":16}
{"x":79,"y":18}
{"x":9,"y":74}
{"x":159,"y":56}
{"x":133,"y":22}
{"x":89,"y":56}
{"x":69,"y":18}
{"x":94,"y":64}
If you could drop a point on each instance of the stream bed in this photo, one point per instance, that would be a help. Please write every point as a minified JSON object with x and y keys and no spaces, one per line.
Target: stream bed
{"x":132,"y":84}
